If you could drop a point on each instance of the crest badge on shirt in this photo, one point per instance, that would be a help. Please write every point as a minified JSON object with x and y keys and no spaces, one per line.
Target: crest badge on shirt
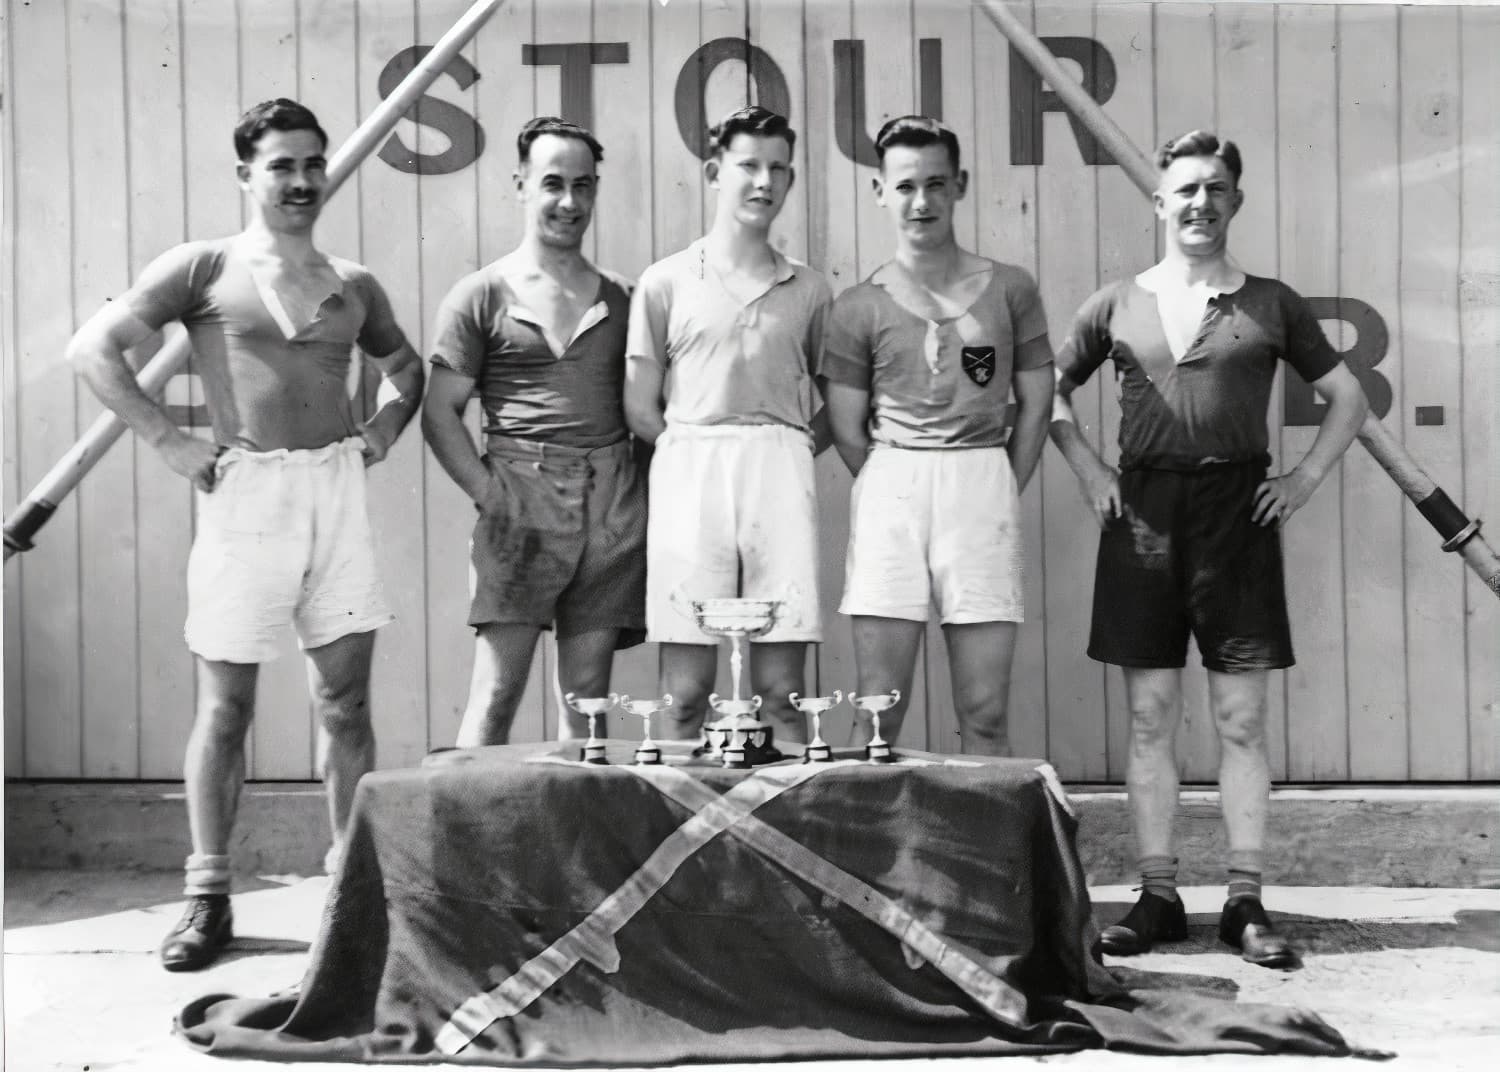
{"x":979,"y":364}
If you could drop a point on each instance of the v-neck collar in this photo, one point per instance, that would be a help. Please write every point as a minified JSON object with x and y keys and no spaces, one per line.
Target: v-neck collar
{"x":592,"y":317}
{"x":298,"y":311}
{"x":1212,"y":310}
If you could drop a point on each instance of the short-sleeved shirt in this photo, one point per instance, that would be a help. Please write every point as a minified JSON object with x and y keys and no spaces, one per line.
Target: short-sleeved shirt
{"x":266,"y":391}
{"x":724,"y":361}
{"x":527,"y":391}
{"x":936,"y":383}
{"x":1210,"y":406}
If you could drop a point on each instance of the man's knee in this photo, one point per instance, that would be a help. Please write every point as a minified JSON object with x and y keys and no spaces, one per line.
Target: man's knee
{"x":343,"y":706}
{"x":1241,"y":725}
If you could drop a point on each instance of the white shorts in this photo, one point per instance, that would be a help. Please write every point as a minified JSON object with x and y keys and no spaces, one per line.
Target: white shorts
{"x":935,"y":526}
{"x":733,"y":512}
{"x":282,"y":539}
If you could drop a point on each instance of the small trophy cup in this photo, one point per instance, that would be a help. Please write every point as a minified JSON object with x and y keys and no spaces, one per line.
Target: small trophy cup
{"x":740,"y":738}
{"x":647,"y":751}
{"x":878,"y":750}
{"x":817,"y":749}
{"x":592,"y":708}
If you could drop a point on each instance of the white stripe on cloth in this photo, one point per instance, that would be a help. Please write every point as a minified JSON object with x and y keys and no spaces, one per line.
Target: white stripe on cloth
{"x":994,"y":994}
{"x":593,"y":939}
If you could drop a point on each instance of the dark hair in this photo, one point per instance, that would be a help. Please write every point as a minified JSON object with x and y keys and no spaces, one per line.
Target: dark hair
{"x":916,"y":131}
{"x":278,"y":114}
{"x":1200,"y":143}
{"x":755,"y":120}
{"x":551,"y":124}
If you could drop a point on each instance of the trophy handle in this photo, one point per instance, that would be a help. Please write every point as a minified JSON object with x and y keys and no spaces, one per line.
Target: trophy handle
{"x":666,"y":700}
{"x":792,"y":698}
{"x":755,"y":702}
{"x":838,"y":698}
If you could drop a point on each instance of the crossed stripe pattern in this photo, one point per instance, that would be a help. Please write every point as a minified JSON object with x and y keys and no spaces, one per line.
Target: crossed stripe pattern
{"x":593,"y":939}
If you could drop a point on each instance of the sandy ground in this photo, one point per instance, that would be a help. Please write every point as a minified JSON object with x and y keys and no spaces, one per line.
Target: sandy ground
{"x":1412,"y":971}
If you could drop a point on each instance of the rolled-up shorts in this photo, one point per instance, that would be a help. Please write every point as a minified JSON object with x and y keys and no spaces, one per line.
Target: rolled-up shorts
{"x":561,"y":540}
{"x":935,"y":527}
{"x":733,"y":513}
{"x":1187,"y":559}
{"x":283,"y":539}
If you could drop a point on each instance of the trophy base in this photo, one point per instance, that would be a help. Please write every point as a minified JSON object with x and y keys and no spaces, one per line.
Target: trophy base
{"x":879,"y":752}
{"x":647,"y":755}
{"x":758,"y":744}
{"x":818,"y":752}
{"x":593,"y":752}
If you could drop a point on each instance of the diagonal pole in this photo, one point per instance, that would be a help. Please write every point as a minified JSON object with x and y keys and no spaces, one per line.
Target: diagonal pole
{"x":63,"y":477}
{"x":1442,"y":513}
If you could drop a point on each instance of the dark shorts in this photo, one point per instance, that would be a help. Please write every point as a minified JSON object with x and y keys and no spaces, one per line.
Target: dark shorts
{"x":561,"y":538}
{"x":1186,"y":558}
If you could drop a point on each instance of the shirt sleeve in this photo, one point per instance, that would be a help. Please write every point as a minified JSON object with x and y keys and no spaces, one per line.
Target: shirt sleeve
{"x":459,"y":339}
{"x":1088,"y":344}
{"x":848,"y":352}
{"x":1026,"y":311}
{"x":379,"y":335}
{"x":173,"y":285}
{"x":1307,"y":347}
{"x":817,"y":325}
{"x":646,"y":336}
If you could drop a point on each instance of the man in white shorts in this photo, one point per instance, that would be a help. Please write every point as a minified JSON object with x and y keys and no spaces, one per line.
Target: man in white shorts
{"x":282,"y":534}
{"x":722,"y":350}
{"x":919,"y":365}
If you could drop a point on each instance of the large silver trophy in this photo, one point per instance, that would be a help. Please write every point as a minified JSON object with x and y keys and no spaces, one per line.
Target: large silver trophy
{"x":738,"y":737}
{"x":878,"y":750}
{"x":591,"y":707}
{"x":817,"y":749}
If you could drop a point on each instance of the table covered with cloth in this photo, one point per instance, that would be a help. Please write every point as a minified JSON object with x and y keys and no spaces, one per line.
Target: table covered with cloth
{"x":512,"y":905}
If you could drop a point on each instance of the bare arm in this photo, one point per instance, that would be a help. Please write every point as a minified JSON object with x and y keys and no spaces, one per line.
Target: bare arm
{"x":644,"y":406}
{"x":443,"y":428}
{"x":1280,"y":497}
{"x":97,"y":351}
{"x":400,"y":394}
{"x":1099,"y":483}
{"x":848,"y":410}
{"x":1033,"y":388}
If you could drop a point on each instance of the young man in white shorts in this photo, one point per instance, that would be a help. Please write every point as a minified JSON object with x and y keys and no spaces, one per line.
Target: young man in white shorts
{"x":723,"y":346}
{"x":282,"y":534}
{"x":919,"y":365}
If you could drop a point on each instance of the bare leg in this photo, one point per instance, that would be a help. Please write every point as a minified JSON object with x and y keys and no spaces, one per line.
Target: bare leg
{"x":979,"y":658}
{"x":1239,"y":706}
{"x":776,"y":671}
{"x":502,"y":663}
{"x":338,"y":676}
{"x":687,"y":673}
{"x":215,"y":765}
{"x":1155,"y":698}
{"x":885,"y":657}
{"x":584,"y":663}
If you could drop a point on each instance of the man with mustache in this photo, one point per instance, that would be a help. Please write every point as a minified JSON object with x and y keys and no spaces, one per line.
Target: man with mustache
{"x":725,"y":338}
{"x":1190,"y":540}
{"x":921,"y":361}
{"x":560,"y":539}
{"x":282,"y":533}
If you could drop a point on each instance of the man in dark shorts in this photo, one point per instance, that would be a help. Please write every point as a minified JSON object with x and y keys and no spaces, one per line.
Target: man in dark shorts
{"x":540,"y":334}
{"x":1190,"y":523}
{"x":281,"y":535}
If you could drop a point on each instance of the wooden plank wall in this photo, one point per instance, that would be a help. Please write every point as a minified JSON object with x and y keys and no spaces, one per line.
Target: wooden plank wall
{"x":1369,"y":135}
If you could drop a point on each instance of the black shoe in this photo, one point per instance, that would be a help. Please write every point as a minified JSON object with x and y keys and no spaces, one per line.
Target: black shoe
{"x":1246,"y":926}
{"x":1152,"y":919}
{"x":206,"y":927}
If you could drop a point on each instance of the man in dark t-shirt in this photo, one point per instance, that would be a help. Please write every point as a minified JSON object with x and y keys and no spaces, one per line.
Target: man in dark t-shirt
{"x":1190,"y":540}
{"x":560,"y":539}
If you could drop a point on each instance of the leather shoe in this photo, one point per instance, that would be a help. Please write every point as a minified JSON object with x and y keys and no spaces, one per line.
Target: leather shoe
{"x":1245,"y":925}
{"x":1152,"y":919}
{"x":206,"y":927}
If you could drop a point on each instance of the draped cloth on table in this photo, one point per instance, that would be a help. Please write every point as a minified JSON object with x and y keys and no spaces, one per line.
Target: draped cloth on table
{"x":508,"y":906}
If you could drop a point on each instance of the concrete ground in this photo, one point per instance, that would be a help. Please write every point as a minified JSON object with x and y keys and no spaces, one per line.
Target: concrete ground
{"x":1414,"y":971}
